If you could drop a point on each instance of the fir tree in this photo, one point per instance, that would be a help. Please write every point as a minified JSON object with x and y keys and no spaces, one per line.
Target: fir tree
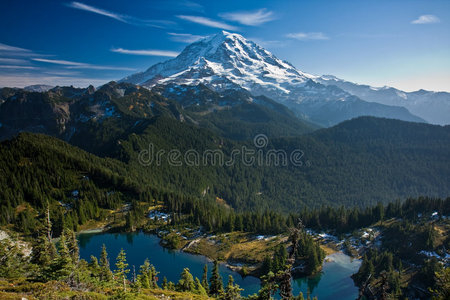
{"x":232,"y":291}
{"x":164,"y":284}
{"x":216,"y":284}
{"x":105,"y":269}
{"x":122,"y":269}
{"x":154,"y":278}
{"x":199,"y":289}
{"x":94,"y":267}
{"x":205,"y":278}
{"x":145,"y":274}
{"x":72,"y":245}
{"x":268,"y":286}
{"x":186,"y":282}
{"x":42,"y":254}
{"x":62,"y":265}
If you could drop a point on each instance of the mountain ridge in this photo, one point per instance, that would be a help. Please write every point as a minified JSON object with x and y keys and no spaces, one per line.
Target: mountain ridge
{"x":432,"y":106}
{"x":229,"y":61}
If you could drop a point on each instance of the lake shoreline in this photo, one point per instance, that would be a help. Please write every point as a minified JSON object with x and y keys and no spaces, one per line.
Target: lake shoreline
{"x":240,"y":266}
{"x":141,"y":245}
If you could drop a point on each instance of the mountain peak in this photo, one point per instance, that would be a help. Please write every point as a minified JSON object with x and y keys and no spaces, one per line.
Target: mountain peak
{"x":223,"y":61}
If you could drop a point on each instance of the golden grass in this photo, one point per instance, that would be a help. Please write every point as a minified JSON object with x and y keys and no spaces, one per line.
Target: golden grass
{"x":329,"y":249}
{"x":236,"y":246}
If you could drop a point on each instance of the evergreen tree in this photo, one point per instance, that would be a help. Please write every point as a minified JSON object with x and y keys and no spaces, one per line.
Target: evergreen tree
{"x":94,"y":267}
{"x":279,"y":259}
{"x":105,"y":269}
{"x":12,"y":262}
{"x":267,"y":265}
{"x":122,"y":269}
{"x":232,"y":291}
{"x":186,"y":282}
{"x":216,"y":284}
{"x":268,"y":286}
{"x":164,"y":284}
{"x":199,"y":289}
{"x":42,"y":254}
{"x":62,"y":265}
{"x":442,"y":286}
{"x":154,"y":278}
{"x":205,"y":278}
{"x":145,"y":275}
{"x":171,"y":286}
{"x":72,"y":245}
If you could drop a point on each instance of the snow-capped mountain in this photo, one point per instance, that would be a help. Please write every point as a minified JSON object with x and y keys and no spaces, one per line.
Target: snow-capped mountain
{"x":229,"y":61}
{"x":434,"y":107}
{"x":224,"y":61}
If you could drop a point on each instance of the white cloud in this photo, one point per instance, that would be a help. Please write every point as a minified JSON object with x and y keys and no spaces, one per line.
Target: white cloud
{"x":303,"y":36}
{"x":184,"y":37}
{"x":207,"y":22}
{"x":426,"y":19}
{"x":78,"y":65}
{"x":146,"y":52}
{"x":17,"y":67}
{"x":4,"y":47}
{"x":13,"y":61}
{"x":58,"y":62}
{"x":268,"y":43}
{"x":95,"y":10}
{"x":251,"y":18}
{"x":120,"y":17}
{"x":191,"y":5}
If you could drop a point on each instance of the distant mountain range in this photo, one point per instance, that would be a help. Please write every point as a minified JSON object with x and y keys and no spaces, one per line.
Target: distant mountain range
{"x":433,"y":107}
{"x":229,"y":61}
{"x":218,"y":94}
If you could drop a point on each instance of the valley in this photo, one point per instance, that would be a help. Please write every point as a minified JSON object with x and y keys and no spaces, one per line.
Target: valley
{"x":223,"y":173}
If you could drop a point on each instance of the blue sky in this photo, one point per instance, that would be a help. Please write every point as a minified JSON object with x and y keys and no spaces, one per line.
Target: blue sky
{"x":405,"y":44}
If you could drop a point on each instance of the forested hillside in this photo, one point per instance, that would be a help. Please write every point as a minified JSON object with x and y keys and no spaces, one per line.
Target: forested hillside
{"x":357,"y":163}
{"x":360,"y":162}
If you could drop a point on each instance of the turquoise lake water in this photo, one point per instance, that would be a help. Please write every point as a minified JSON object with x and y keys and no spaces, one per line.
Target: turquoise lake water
{"x":333,"y":283}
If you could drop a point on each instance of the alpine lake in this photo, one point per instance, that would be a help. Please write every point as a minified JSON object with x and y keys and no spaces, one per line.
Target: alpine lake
{"x":334,"y":282}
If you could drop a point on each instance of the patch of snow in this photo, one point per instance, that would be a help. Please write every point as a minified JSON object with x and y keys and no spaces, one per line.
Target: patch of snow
{"x":401,"y":95}
{"x":154,"y":214}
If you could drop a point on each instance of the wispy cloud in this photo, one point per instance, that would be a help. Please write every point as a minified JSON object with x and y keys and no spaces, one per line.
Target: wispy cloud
{"x":184,"y":37}
{"x":18,"y":67}
{"x":268,"y":43}
{"x":369,"y":35}
{"x":426,"y":19}
{"x":95,"y":10}
{"x":191,"y":5}
{"x":13,"y":61}
{"x":120,"y":17}
{"x":78,"y":65}
{"x":251,"y":18}
{"x":146,"y":52}
{"x":207,"y":22}
{"x":4,"y":47}
{"x":58,"y":62}
{"x":304,"y":36}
